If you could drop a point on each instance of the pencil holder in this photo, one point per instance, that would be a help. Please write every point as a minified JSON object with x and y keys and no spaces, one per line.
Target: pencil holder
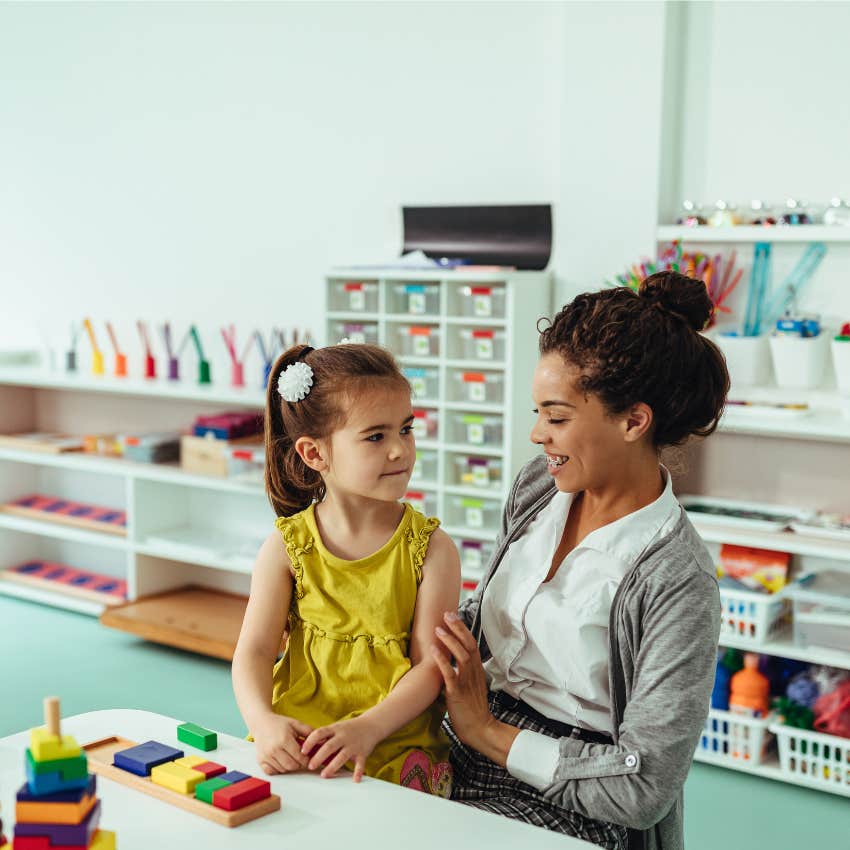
{"x":841,"y":362}
{"x":747,"y":359}
{"x":799,"y":362}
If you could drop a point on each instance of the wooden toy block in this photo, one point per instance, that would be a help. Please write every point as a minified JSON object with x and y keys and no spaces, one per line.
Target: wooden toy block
{"x":190,"y":761}
{"x":70,"y":813}
{"x":234,"y":776}
{"x":241,"y":794}
{"x":104,"y":839}
{"x":77,"y":835}
{"x":47,"y":747}
{"x":176,"y":777}
{"x":74,"y":795}
{"x":42,"y":784}
{"x":101,"y":753}
{"x":197,"y":736}
{"x":70,"y":768}
{"x":210,"y":769}
{"x":141,"y":758}
{"x":205,"y":790}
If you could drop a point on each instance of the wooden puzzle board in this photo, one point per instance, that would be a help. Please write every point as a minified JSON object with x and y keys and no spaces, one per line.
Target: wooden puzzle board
{"x":100,"y":755}
{"x":62,"y":519}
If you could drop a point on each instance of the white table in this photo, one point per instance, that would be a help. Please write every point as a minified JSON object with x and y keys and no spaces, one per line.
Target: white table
{"x":315,"y":813}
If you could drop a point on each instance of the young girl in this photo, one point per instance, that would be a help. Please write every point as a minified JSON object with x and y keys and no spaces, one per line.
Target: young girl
{"x":361,"y":579}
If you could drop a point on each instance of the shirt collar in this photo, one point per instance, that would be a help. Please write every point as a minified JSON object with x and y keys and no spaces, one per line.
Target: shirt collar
{"x":627,"y":537}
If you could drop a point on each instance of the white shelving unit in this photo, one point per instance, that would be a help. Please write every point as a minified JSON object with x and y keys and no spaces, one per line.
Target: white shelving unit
{"x":803,"y":461}
{"x":174,"y":517}
{"x":382,"y":306}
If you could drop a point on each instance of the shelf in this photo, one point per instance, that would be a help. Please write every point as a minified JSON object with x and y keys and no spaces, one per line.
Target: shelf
{"x":825,"y":425}
{"x":485,"y":534}
{"x":474,"y":407}
{"x":57,"y":531}
{"x":476,"y":492}
{"x":476,"y":365}
{"x":783,"y":646}
{"x":799,"y":234}
{"x":382,"y":273}
{"x":180,"y":554}
{"x":52,"y":598}
{"x":778,"y":541}
{"x":164,"y":472}
{"x":180,"y":391}
{"x":191,"y":618}
{"x":477,"y":321}
{"x":474,"y":449}
{"x":410,"y":360}
{"x":417,"y":319}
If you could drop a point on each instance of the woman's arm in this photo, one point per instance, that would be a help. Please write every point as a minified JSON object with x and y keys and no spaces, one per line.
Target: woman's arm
{"x":417,"y":689}
{"x":253,"y":660}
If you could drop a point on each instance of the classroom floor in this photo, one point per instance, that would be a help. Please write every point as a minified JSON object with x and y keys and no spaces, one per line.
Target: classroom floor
{"x":45,"y":651}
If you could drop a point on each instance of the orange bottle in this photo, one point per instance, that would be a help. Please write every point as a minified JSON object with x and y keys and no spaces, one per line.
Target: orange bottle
{"x":749,"y":691}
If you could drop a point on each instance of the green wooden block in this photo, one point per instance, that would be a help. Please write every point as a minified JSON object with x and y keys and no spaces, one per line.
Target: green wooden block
{"x":75,"y":767}
{"x":197,"y":736}
{"x":204,"y":790}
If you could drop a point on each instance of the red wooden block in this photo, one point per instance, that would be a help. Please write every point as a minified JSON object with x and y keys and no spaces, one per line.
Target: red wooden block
{"x":42,"y":842}
{"x":210,"y":769}
{"x":241,"y":794}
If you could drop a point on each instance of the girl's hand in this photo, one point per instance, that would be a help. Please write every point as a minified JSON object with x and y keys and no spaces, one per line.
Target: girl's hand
{"x":278,"y":748}
{"x":338,"y":743}
{"x":466,"y":692}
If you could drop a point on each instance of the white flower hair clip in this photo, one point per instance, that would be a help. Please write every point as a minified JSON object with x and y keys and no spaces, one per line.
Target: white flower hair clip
{"x":295,"y":381}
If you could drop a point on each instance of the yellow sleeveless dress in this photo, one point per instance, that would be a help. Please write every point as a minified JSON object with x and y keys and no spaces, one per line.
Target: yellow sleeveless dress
{"x":350,"y":624}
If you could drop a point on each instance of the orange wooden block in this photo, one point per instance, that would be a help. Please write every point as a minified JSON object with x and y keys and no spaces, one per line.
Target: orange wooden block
{"x":241,"y":794}
{"x":67,"y":813}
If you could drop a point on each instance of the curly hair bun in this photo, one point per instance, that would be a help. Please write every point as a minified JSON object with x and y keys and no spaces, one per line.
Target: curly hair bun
{"x":683,"y":296}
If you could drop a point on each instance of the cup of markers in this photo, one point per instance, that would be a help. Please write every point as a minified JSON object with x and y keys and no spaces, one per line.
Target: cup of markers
{"x":799,"y":351}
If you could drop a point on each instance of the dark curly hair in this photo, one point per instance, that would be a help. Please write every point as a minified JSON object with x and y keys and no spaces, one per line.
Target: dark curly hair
{"x":646,"y":347}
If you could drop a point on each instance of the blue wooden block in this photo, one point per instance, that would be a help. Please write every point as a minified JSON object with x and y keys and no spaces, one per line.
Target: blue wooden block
{"x":233,"y":776}
{"x":41,"y":784}
{"x":143,"y":757}
{"x":25,"y":795}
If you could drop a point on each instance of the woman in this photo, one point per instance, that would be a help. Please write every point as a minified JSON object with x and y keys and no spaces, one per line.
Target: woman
{"x":584,"y":664}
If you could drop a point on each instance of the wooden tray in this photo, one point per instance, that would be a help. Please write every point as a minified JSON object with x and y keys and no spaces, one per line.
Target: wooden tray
{"x":100,"y":754}
{"x":64,"y":519}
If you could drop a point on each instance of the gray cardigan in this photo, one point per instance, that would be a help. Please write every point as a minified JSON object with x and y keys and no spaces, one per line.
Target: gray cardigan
{"x":663,"y":631}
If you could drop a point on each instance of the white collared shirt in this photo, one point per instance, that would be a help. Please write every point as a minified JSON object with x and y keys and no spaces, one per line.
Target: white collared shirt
{"x":549,"y":640}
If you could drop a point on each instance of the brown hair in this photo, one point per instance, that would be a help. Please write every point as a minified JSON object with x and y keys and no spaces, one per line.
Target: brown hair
{"x":646,"y":347}
{"x":339,"y":373}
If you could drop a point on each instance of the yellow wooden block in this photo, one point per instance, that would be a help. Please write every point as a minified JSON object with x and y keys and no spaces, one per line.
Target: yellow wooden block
{"x":47,"y":747}
{"x":177,"y":777}
{"x":104,"y":839}
{"x":190,"y":761}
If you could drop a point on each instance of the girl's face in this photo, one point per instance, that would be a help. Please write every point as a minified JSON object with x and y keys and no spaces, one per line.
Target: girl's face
{"x":373,"y":454}
{"x":585,"y":446}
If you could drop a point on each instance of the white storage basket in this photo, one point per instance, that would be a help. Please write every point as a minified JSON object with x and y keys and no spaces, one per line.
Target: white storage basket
{"x":728,"y":737}
{"x":814,"y":758}
{"x":752,"y":617}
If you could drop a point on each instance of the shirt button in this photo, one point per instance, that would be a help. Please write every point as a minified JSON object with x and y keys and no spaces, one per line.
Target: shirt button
{"x":631,"y":761}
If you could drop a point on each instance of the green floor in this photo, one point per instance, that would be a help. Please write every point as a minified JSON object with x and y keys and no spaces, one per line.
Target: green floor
{"x":46,"y":651}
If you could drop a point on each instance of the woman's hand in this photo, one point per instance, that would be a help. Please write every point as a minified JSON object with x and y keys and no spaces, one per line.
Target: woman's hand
{"x":466,"y":692}
{"x":277,"y":740}
{"x":338,"y":743}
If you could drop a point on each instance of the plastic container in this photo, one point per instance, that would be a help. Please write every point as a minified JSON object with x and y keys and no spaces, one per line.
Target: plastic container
{"x":477,"y":429}
{"x":355,"y":332}
{"x":837,"y":213}
{"x":799,"y":362}
{"x":822,"y":761}
{"x":417,"y":299}
{"x":749,"y":690}
{"x":471,"y":471}
{"x":475,"y":555}
{"x":425,"y":503}
{"x":354,"y":296}
{"x":822,"y":610}
{"x":750,"y":617}
{"x":425,"y":424}
{"x":841,"y":363}
{"x":419,"y":340}
{"x":728,"y":737}
{"x":482,"y":343}
{"x":476,"y":513}
{"x":484,"y":302}
{"x":247,"y":465}
{"x":424,"y":381}
{"x":425,"y":468}
{"x":478,"y":387}
{"x":747,"y":359}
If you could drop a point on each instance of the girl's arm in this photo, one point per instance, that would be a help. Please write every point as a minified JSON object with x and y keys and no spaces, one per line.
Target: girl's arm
{"x":253,"y":660}
{"x":417,"y":689}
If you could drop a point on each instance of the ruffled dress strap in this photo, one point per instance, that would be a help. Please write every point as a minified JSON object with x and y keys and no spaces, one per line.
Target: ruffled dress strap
{"x":418,"y":536}
{"x":299,"y":544}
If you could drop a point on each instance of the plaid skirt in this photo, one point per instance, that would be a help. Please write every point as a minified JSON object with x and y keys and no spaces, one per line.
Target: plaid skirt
{"x":483,"y":784}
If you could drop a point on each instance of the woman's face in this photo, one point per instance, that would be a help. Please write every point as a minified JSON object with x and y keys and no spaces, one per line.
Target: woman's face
{"x":584,"y":445}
